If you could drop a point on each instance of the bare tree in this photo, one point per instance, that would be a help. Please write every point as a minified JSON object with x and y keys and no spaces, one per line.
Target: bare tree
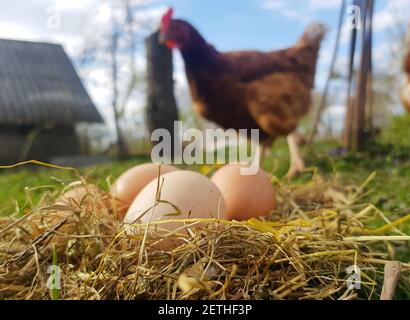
{"x":355,"y":119}
{"x":348,"y":123}
{"x":360,"y":124}
{"x":115,"y":48}
{"x":122,"y":148}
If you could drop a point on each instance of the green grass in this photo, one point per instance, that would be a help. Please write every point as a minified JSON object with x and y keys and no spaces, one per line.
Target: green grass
{"x":398,"y":131}
{"x":21,"y":188}
{"x":390,"y":190}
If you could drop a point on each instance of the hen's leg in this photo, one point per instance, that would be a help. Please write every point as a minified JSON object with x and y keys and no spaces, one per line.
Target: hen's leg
{"x":297,"y":165}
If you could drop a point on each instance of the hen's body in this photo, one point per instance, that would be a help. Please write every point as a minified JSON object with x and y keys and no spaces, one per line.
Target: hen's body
{"x":250,"y":89}
{"x":269,"y":91}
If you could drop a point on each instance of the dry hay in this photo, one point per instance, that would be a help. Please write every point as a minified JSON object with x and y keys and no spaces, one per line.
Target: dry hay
{"x":301,"y":251}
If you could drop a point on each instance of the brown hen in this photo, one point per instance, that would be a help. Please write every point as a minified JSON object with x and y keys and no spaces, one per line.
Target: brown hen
{"x":269,"y":91}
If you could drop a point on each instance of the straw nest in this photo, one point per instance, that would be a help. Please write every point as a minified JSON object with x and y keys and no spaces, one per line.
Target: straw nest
{"x":303,"y":250}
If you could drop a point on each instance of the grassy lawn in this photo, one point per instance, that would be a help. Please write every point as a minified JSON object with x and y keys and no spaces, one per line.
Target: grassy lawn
{"x":23,"y":189}
{"x":389,"y":190}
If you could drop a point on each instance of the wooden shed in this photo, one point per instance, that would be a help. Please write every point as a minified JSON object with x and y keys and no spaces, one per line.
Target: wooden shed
{"x":41,"y":101}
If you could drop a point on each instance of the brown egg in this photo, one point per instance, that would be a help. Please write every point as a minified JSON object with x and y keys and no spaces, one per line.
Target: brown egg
{"x":132,"y":181}
{"x":78,"y":192}
{"x":78,"y":198}
{"x":246,"y":196}
{"x":195,"y":195}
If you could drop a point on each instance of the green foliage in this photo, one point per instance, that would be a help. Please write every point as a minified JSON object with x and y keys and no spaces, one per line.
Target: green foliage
{"x":398,"y":131}
{"x":21,"y":190}
{"x":390,"y":190}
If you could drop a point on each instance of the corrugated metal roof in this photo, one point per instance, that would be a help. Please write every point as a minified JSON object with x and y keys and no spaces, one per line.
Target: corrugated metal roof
{"x":38,"y":84}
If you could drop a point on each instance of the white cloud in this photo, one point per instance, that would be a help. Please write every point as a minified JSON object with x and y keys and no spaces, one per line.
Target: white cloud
{"x":293,"y":8}
{"x":104,"y":13}
{"x":9,"y":30}
{"x":291,"y":14}
{"x":333,"y":118}
{"x":383,"y":20}
{"x":272,"y":4}
{"x":297,"y":10}
{"x":381,"y":52}
{"x":284,"y":8}
{"x":72,"y":5}
{"x":345,"y":34}
{"x":324,"y":4}
{"x":179,"y":73}
{"x":391,"y":14}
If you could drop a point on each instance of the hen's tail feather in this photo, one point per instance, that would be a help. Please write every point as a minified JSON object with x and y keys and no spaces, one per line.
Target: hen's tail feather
{"x":314,"y":34}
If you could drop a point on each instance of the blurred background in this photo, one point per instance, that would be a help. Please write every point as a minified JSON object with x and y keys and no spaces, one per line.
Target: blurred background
{"x":104,"y":39}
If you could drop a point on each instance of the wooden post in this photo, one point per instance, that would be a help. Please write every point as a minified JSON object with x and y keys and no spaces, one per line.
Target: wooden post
{"x":392,"y":271}
{"x":369,"y":85}
{"x":161,"y":111}
{"x":355,"y":120}
{"x":348,"y":122}
{"x":359,"y":125}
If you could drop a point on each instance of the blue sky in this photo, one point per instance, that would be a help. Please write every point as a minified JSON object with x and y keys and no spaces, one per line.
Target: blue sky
{"x":270,"y":24}
{"x":243,"y":24}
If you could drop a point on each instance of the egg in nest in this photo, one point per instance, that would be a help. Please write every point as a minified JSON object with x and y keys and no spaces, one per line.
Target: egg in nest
{"x":181,"y":195}
{"x":246,"y":196}
{"x":131,"y":182}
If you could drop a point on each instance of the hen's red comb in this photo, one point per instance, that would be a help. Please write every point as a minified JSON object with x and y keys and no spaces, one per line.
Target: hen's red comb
{"x":166,"y":19}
